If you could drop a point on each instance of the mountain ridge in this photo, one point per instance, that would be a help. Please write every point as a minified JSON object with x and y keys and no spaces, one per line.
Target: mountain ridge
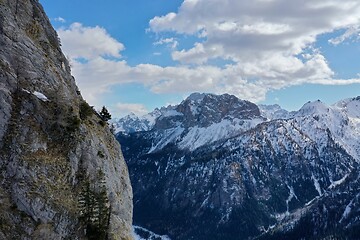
{"x":261,"y":173}
{"x":237,"y":123}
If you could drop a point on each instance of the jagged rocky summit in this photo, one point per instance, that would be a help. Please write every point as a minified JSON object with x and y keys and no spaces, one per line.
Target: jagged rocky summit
{"x":62,"y":173}
{"x":217,"y":167}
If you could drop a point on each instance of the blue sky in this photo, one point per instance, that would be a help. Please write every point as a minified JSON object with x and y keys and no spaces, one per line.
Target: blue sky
{"x":138,"y":55}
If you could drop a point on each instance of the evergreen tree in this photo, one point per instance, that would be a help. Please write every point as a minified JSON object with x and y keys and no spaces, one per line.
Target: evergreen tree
{"x":104,"y":114}
{"x":103,"y":206}
{"x":94,"y":208}
{"x":86,"y":202}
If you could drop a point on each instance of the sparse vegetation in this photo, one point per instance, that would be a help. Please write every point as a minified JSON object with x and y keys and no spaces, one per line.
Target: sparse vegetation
{"x":102,"y":123}
{"x":73,"y":123}
{"x":33,"y":30}
{"x":54,"y":41}
{"x":85,"y":110}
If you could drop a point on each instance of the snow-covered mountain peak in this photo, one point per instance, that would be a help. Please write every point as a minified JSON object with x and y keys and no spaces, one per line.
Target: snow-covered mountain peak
{"x":206,"y":109}
{"x":350,"y":106}
{"x":131,"y":116}
{"x":133,"y":123}
{"x":197,"y":97}
{"x":313,"y":108}
{"x":197,"y":110}
{"x":199,"y":119}
{"x":272,"y":112}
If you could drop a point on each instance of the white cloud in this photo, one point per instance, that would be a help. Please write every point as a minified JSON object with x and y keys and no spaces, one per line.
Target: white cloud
{"x":264,"y":40}
{"x":172,"y":42}
{"x":123,"y":109}
{"x":97,"y":76}
{"x":199,"y":54}
{"x":249,"y":31}
{"x":79,"y":41}
{"x":60,"y":19}
{"x":349,"y":33}
{"x":157,"y":22}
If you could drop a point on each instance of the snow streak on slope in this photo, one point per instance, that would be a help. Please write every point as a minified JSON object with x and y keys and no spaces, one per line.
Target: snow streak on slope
{"x":272,"y":112}
{"x":141,"y":233}
{"x":197,"y":137}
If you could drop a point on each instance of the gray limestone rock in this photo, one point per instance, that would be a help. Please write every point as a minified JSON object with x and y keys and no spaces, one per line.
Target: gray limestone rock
{"x":49,"y":152}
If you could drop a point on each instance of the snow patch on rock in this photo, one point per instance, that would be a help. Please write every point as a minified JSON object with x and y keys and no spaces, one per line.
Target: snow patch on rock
{"x":41,"y":96}
{"x":141,"y":233}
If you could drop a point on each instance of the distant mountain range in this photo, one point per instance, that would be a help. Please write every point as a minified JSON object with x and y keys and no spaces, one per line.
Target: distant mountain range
{"x":217,"y":167}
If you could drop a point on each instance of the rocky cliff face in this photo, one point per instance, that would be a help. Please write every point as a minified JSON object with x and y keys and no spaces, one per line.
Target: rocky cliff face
{"x":268,"y":175}
{"x":203,"y":110}
{"x":62,"y":173}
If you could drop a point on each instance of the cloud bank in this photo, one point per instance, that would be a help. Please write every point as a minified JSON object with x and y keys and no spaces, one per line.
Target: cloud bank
{"x":263,"y":44}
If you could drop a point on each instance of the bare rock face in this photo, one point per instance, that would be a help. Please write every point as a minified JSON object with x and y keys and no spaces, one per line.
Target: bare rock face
{"x":203,"y":110}
{"x":62,"y":173}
